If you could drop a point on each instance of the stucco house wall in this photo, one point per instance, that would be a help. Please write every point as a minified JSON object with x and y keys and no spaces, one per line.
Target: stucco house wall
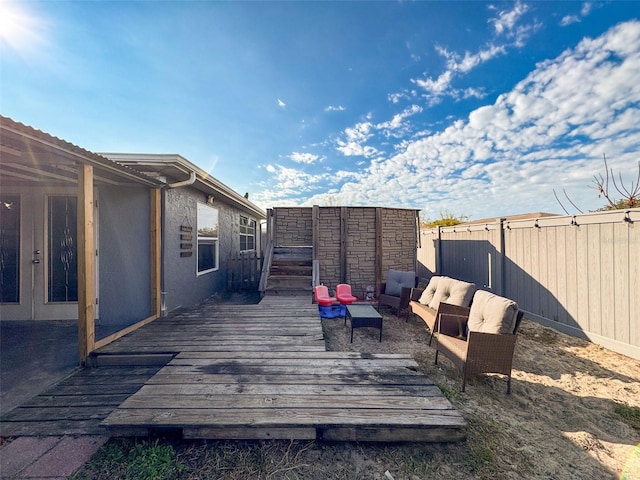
{"x":182,"y":283}
{"x":124,"y":261}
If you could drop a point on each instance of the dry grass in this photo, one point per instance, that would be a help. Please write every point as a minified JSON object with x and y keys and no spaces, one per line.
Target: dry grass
{"x":573,"y":414}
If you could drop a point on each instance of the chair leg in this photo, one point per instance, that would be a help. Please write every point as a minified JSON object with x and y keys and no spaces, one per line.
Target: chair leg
{"x":508,"y":384}
{"x":464,"y":377}
{"x":436,"y":362}
{"x":430,"y":338}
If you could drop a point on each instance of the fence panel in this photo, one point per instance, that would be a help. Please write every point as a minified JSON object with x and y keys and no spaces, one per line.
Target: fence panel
{"x":427,"y":254}
{"x":580,"y":274}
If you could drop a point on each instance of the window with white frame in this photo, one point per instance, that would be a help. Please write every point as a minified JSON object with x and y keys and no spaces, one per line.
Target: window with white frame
{"x":207,"y":238}
{"x":247,"y":234}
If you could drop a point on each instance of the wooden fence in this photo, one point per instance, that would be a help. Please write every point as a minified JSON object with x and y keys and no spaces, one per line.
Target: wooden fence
{"x":354,"y":245}
{"x":579,"y":274}
{"x":244,"y":271}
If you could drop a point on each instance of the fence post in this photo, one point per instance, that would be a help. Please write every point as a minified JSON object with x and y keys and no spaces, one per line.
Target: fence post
{"x":499,"y":247}
{"x":438,"y":249}
{"x":343,"y":244}
{"x":315,"y":237}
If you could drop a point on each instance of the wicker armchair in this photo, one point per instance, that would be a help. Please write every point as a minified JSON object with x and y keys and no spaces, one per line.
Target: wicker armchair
{"x":475,"y":352}
{"x":396,"y":291}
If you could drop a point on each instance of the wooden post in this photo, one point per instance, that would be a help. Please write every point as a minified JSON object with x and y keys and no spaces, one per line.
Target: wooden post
{"x":86,"y":264}
{"x":274,"y":230}
{"x":315,"y":240}
{"x":343,"y":244}
{"x":269,"y":226}
{"x":155,"y":249}
{"x":378,"y":254}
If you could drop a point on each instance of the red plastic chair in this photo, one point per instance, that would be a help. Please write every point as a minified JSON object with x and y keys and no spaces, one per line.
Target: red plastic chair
{"x":321,"y":295}
{"x":343,"y":292}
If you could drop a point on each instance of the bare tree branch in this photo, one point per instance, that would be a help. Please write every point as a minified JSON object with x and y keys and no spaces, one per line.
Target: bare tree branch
{"x":558,"y":200}
{"x":574,"y":205}
{"x":630,"y":195}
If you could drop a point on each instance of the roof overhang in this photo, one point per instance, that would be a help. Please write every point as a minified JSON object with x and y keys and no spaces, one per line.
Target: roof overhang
{"x":174,"y":169}
{"x":30,"y":157}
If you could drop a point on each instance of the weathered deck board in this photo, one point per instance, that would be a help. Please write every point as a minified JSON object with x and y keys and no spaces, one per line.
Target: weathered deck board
{"x":243,"y":372}
{"x":256,"y":372}
{"x":77,"y":405}
{"x":282,"y":324}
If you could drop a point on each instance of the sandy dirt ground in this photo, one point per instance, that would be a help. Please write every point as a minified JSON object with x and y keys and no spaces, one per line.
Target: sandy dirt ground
{"x":560,"y":422}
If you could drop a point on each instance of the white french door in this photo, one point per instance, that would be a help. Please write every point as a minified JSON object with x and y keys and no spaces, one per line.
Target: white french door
{"x":38,"y":255}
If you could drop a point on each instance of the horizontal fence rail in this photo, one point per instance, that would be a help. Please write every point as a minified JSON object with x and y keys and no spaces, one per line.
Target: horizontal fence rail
{"x":579,"y":274}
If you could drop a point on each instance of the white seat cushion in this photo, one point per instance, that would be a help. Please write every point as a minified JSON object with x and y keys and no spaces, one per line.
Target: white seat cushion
{"x":455,"y":292}
{"x":427,"y":294}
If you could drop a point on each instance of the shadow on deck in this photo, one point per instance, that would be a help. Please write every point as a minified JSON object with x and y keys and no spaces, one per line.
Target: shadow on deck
{"x":262,"y":372}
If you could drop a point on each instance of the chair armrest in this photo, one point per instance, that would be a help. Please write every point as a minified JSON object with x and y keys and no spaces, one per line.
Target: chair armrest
{"x":490,"y":352}
{"x":448,"y":308}
{"x":452,"y":320}
{"x":416,"y":293}
{"x":405,"y":296}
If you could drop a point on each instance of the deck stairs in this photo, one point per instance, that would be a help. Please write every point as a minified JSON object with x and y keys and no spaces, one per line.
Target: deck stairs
{"x":291,"y":272}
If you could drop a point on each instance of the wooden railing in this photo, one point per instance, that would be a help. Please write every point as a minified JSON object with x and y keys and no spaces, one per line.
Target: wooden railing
{"x":315,"y":276}
{"x":266,"y":267}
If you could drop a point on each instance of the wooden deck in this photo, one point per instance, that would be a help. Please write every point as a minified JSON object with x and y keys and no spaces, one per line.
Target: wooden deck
{"x":262,"y":372}
{"x":77,"y":404}
{"x":223,"y":371}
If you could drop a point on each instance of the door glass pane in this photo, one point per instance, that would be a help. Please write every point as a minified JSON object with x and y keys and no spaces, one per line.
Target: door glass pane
{"x":9,"y":249}
{"x":63,"y":254}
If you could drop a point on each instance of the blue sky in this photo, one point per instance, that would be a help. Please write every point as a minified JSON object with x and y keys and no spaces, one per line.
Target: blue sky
{"x":479,"y":109}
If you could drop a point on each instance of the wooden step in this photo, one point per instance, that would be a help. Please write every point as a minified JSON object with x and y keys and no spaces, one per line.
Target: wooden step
{"x":294,"y":250}
{"x":292,"y":256}
{"x":289,"y":281}
{"x":304,"y":270}
{"x":289,"y":291}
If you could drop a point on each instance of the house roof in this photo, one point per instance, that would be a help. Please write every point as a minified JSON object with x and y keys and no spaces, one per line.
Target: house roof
{"x":30,"y":156}
{"x":522,"y":216}
{"x":174,"y":168}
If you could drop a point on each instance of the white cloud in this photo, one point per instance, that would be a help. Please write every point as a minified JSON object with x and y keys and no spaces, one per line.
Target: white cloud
{"x":281,"y":104}
{"x":550,"y":131}
{"x":396,"y":97}
{"x":577,"y":18}
{"x":307,"y":158}
{"x":356,"y":138}
{"x":335,"y":108}
{"x":506,"y":20}
{"x":569,"y":19}
{"x":460,"y":64}
{"x":398,"y":119}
